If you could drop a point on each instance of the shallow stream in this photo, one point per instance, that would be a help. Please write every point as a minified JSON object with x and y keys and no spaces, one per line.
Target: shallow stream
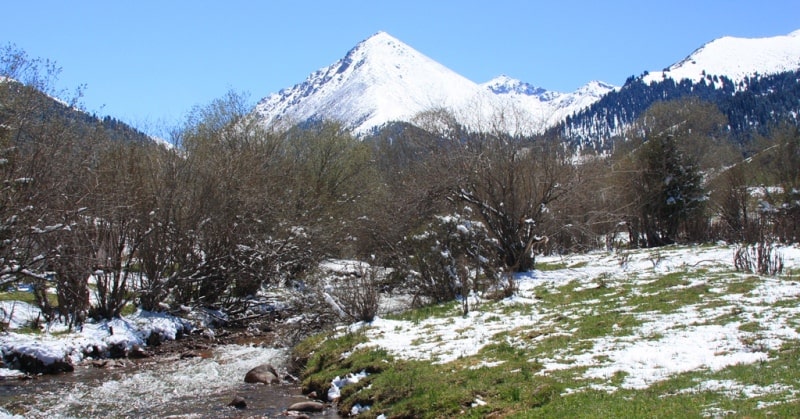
{"x":159,"y":387}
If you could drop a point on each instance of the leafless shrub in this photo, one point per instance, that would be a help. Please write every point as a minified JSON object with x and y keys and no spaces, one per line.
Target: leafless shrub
{"x":623,"y":258}
{"x":325,"y":298}
{"x":656,"y":258}
{"x":307,"y":311}
{"x":358,"y":294}
{"x":761,"y":258}
{"x":505,"y":287}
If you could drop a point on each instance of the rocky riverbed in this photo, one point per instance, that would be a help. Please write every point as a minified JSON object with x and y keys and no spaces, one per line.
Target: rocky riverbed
{"x":195,"y":376}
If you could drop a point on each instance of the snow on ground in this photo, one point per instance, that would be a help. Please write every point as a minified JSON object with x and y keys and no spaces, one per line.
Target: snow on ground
{"x":663,"y":345}
{"x":57,"y":343}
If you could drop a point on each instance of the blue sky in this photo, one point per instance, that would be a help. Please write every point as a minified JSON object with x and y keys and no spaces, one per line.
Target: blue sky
{"x":149,"y":62}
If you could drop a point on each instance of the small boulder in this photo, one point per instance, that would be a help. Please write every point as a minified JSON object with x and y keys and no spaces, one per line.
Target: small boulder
{"x":117,"y":350}
{"x":307,"y":407}
{"x":100,"y":363}
{"x":137,"y":352}
{"x":238,"y":402}
{"x":264,"y":374}
{"x":154,"y":339}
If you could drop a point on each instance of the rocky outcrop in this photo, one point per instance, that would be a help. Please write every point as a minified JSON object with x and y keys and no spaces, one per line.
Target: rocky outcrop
{"x":121,"y":350}
{"x":32,"y":365}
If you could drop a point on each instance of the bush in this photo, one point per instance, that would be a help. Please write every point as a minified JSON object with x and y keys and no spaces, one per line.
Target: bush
{"x":452,"y":258}
{"x":358,"y":295}
{"x":761,"y":258}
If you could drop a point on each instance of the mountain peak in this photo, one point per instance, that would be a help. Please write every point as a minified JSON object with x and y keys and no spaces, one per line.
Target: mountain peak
{"x":381,"y":41}
{"x":382,"y":79}
{"x":381,"y":36}
{"x":503,"y":84}
{"x":383,"y":50}
{"x":596,"y":87}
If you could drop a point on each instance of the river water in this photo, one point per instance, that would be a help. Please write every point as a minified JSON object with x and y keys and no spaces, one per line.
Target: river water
{"x":158,"y":388}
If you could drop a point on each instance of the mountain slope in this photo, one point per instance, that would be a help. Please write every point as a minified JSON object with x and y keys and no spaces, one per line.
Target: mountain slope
{"x":383,"y":80}
{"x":544,"y":107}
{"x":14,"y":93}
{"x":754,"y":82}
{"x":736,"y":58}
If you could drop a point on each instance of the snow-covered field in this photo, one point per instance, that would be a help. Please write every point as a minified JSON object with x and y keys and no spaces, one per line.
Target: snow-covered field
{"x":723,"y":328}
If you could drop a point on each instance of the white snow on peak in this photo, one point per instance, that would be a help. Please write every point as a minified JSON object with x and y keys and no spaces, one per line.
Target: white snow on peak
{"x":596,"y":88}
{"x":736,"y":58}
{"x":383,"y":80}
{"x":506,"y":85}
{"x":380,"y":80}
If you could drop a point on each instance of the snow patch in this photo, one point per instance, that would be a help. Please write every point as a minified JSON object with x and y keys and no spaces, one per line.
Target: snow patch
{"x":94,"y":338}
{"x":335,"y":392}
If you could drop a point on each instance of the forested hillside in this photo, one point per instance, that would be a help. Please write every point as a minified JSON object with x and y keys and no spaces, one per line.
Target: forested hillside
{"x":751,"y":106}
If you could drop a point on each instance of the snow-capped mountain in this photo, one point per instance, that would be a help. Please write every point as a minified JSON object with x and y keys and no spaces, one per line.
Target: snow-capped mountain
{"x":383,"y":80}
{"x":736,"y":58}
{"x":752,"y":81}
{"x":546,"y":107}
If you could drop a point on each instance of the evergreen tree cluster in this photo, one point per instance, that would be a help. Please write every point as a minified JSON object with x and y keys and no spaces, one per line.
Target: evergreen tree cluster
{"x":752,"y":106}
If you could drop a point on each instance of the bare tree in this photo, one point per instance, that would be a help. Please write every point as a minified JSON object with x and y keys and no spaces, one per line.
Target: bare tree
{"x":780,"y":170}
{"x":45,"y":151}
{"x":511,"y":183}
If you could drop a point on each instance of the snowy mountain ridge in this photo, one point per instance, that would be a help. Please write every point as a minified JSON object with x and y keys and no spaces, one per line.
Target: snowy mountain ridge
{"x":382,"y":80}
{"x":736,"y":58}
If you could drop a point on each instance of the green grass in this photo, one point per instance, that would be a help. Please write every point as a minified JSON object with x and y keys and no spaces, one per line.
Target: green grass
{"x":26,"y":297}
{"x":514,"y":389}
{"x":550,"y":266}
{"x":516,"y":309}
{"x":419,"y":389}
{"x":742,"y":286}
{"x":432,"y":311}
{"x":669,"y":293}
{"x":128,"y":309}
{"x":28,"y":330}
{"x":23,"y":296}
